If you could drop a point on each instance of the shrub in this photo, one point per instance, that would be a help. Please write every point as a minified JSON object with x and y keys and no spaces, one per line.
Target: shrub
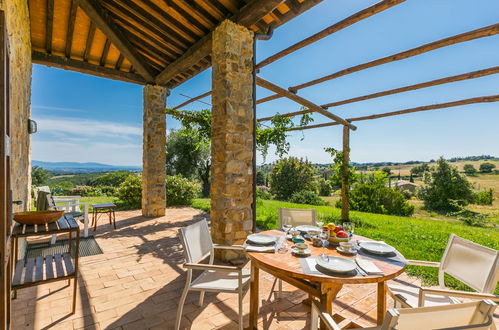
{"x":130,"y":192}
{"x":325,"y":188}
{"x":181,"y":191}
{"x":263,"y":192}
{"x":487,"y":167}
{"x":291,"y":175}
{"x":484,"y":197}
{"x":86,"y":191}
{"x":445,"y":187}
{"x":469,"y":217}
{"x":307,"y":197}
{"x":109,"y":190}
{"x":375,"y":198}
{"x":114,"y":179}
{"x":420,"y":169}
{"x":61,"y":188}
{"x":469,"y":169}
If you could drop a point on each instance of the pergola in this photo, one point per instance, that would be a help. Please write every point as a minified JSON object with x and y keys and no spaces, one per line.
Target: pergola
{"x":163,"y":43}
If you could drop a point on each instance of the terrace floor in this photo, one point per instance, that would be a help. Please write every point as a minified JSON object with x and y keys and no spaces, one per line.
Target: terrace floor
{"x":136,"y":284}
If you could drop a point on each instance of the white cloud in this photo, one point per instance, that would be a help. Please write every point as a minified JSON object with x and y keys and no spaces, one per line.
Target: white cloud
{"x":49,"y":107}
{"x":85,"y":127}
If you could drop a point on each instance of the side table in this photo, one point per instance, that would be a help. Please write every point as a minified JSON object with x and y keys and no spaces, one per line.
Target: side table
{"x":105,"y":208}
{"x":35,"y":271}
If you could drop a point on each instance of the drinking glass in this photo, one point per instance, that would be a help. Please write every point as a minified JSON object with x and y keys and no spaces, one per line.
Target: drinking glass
{"x":283,"y":248}
{"x":286,"y":227}
{"x":324,"y":236}
{"x":321,"y":219}
{"x":349,"y":227}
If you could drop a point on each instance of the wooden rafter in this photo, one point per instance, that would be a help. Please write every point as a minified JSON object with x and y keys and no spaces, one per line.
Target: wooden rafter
{"x":71,"y":26}
{"x":50,"y":26}
{"x":85,"y":67}
{"x":192,"y":99}
{"x":361,"y":15}
{"x":474,"y":100}
{"x":310,"y":105}
{"x":298,"y":9}
{"x":247,"y":16}
{"x":460,"y":77}
{"x":463,"y":37}
{"x":99,"y":16}
{"x":90,"y":40}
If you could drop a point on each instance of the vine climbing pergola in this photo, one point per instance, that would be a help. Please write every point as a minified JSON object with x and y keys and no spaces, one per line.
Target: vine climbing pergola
{"x":347,"y":123}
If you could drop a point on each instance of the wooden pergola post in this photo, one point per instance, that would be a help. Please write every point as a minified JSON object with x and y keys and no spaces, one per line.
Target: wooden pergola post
{"x":345,"y":173}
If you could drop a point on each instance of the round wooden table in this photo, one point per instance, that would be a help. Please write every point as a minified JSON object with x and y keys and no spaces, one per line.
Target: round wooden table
{"x":287,"y":268}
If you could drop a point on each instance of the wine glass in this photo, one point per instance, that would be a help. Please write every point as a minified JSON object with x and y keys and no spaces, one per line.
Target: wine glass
{"x":324,"y":236}
{"x":286,"y":227}
{"x":321,"y":218}
{"x":349,"y":227}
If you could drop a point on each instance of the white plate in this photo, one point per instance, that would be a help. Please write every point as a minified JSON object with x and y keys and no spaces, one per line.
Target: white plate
{"x":262,"y":239}
{"x":351,"y":251}
{"x":377,"y":247}
{"x":338,"y":264}
{"x":305,"y":252}
{"x":307,"y":228}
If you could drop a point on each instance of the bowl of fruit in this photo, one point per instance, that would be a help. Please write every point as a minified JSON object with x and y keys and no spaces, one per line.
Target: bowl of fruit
{"x":337,"y":234}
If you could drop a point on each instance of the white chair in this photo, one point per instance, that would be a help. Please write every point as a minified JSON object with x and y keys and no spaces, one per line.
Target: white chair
{"x":197,"y":243}
{"x":475,"y":265}
{"x":295,"y":217}
{"x":70,"y":206}
{"x":473,"y":315}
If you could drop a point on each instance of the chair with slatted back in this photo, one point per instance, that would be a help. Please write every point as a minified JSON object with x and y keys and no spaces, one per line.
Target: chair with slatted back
{"x":294,"y":217}
{"x":475,"y":265}
{"x":197,"y":243}
{"x":71,"y":207}
{"x":477,"y":315}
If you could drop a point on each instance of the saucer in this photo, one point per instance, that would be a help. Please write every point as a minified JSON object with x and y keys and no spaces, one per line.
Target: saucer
{"x":351,"y":251}
{"x":304,"y":253}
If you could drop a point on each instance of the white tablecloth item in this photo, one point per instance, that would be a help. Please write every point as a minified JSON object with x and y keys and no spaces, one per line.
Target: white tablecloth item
{"x":369,"y":267}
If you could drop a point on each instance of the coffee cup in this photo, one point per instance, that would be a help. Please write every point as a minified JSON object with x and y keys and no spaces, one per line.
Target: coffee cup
{"x":346,"y":246}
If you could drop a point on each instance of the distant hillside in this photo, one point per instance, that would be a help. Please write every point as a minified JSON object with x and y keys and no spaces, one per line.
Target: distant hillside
{"x":81,"y":167}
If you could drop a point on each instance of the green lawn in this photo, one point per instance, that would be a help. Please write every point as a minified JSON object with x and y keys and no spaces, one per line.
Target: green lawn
{"x":415,"y":238}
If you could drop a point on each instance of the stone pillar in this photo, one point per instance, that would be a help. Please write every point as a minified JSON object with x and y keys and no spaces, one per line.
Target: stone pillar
{"x":154,"y":151}
{"x":232,"y":134}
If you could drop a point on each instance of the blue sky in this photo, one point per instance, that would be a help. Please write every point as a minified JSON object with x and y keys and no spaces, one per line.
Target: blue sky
{"x":85,"y":118}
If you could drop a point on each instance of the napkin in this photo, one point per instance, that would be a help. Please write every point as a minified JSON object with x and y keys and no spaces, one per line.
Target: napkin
{"x":369,"y":267}
{"x":252,"y":248}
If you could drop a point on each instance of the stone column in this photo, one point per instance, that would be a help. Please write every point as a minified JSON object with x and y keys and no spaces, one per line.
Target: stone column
{"x":154,"y":151}
{"x":232,"y":134}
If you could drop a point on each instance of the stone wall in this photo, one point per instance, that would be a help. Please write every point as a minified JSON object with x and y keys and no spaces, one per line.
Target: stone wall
{"x":154,"y":151}
{"x":232,"y":134}
{"x":17,"y":18}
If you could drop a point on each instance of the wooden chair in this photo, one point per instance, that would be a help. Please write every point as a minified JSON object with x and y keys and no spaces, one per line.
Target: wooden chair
{"x":475,"y":265}
{"x":197,"y":243}
{"x":294,"y":217}
{"x":473,"y":315}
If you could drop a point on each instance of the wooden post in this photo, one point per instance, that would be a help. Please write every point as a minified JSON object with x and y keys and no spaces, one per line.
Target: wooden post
{"x":345,"y":173}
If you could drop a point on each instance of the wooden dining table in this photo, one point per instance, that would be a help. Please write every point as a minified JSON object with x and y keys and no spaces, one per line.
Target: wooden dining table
{"x":286,"y":267}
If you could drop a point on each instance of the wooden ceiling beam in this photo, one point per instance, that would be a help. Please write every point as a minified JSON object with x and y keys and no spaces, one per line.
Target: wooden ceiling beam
{"x":310,"y":105}
{"x":474,"y":100}
{"x":65,"y":63}
{"x":247,"y":16}
{"x":191,"y":19}
{"x":71,"y":27}
{"x":90,"y":40}
{"x":101,"y":19}
{"x":49,"y":26}
{"x":431,"y":83}
{"x":192,"y":99}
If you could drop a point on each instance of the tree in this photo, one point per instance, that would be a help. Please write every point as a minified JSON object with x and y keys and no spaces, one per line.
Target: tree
{"x":188,"y":153}
{"x":387,"y":170}
{"x":113,"y":179}
{"x":420,"y":169}
{"x":325,"y":188}
{"x":39,"y":176}
{"x":291,"y":175}
{"x":445,"y":188}
{"x":487,"y":167}
{"x":260,"y":178}
{"x":337,"y":169}
{"x":469,"y":169}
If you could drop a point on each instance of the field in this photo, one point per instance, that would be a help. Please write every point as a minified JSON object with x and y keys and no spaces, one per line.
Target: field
{"x":405,"y":169}
{"x":415,"y":238}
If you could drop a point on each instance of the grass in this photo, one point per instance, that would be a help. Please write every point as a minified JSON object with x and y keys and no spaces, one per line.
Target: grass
{"x":415,"y":238}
